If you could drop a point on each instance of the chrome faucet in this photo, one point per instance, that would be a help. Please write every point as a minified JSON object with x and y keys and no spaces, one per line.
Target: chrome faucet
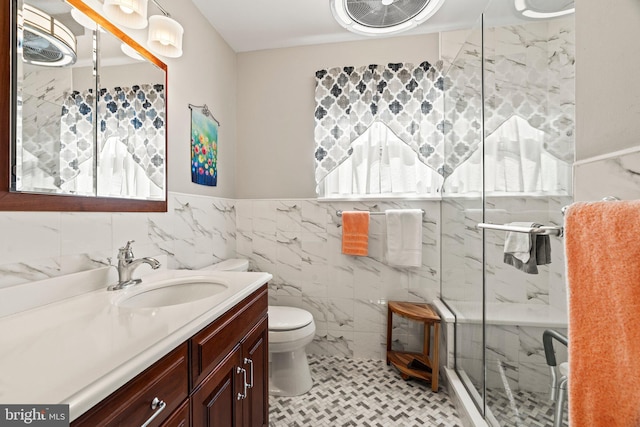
{"x":127,"y":264}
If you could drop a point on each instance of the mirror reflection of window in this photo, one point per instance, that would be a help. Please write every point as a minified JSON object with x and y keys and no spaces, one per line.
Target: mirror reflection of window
{"x":380,"y":165}
{"x":131,"y":132}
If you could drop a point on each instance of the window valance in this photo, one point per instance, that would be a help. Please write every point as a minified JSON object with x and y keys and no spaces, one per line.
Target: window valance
{"x":406,"y":98}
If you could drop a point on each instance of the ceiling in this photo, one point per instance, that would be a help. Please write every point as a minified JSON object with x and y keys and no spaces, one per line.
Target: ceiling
{"x":248,"y":25}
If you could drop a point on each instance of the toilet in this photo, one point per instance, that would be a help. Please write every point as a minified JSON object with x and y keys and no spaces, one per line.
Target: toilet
{"x":291,"y":329}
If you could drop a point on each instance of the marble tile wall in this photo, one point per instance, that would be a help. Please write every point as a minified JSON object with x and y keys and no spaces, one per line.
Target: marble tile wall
{"x":462,"y":274}
{"x":623,"y":177}
{"x":196,"y":231}
{"x":299,"y":242}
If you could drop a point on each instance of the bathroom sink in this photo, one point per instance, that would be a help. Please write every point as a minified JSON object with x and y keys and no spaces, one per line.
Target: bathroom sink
{"x":171,"y":292}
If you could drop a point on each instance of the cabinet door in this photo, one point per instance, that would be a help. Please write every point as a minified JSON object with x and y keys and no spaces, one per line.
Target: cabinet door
{"x":255,"y":356}
{"x":215,"y":402}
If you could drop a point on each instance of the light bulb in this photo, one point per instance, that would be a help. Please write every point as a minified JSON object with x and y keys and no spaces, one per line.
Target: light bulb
{"x":126,"y":10}
{"x":387,"y":2}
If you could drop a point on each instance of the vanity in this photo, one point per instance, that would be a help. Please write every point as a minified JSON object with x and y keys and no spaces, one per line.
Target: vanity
{"x":120,"y":358}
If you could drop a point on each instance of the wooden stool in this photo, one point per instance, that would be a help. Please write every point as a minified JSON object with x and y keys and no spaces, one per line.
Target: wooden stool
{"x":417,"y":365}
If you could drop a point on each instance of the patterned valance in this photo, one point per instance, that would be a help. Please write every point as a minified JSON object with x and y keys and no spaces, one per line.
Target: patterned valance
{"x":404,"y":97}
{"x":134,"y":115}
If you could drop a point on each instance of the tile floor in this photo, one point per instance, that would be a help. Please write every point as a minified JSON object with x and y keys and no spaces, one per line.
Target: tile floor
{"x":354,"y":392}
{"x":525,"y":410}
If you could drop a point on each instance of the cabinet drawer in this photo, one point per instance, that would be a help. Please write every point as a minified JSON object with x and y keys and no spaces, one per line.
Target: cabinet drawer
{"x":180,"y":418}
{"x":131,"y":404}
{"x":213,"y":343}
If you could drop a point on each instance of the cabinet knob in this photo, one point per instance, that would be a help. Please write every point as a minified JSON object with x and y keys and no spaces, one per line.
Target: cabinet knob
{"x":158,"y":406}
{"x":250,"y":362}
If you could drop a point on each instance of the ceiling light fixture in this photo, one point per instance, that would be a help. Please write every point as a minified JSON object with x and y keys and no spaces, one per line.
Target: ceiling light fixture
{"x":544,"y":9}
{"x":128,"y":13}
{"x":383,"y":17}
{"x":45,"y":40}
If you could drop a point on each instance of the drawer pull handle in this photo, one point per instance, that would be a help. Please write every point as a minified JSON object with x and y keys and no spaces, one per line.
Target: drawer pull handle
{"x":158,"y":406}
{"x":243,"y":395}
{"x":250,"y":362}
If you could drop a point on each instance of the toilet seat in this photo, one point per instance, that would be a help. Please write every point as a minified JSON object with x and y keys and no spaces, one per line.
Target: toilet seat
{"x":288,"y":318}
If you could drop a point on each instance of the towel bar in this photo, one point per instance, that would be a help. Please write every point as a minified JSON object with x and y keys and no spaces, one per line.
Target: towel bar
{"x":339,"y":213}
{"x":542,"y":230}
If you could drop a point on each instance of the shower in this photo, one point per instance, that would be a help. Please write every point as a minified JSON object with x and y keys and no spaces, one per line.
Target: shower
{"x":509,"y":152}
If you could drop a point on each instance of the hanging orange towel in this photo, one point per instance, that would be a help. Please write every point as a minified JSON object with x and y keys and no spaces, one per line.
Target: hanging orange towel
{"x":603,"y":270}
{"x":355,"y":233}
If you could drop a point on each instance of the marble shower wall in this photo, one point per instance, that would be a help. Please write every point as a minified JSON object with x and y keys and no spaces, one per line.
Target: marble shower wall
{"x":623,"y":177}
{"x":462,"y":252}
{"x":196,"y":231}
{"x":299,"y":242}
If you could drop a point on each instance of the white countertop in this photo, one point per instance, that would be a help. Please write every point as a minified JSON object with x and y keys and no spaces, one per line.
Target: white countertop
{"x":81,"y":349}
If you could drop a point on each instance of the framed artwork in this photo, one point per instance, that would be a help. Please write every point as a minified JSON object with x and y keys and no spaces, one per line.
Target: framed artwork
{"x":204,"y":146}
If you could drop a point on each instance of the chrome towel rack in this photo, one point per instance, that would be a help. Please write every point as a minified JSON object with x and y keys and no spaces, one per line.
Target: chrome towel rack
{"x":542,"y":230}
{"x":339,"y":213}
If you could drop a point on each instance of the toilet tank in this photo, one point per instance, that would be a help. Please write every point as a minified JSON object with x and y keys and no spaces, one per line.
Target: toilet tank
{"x":233,"y":264}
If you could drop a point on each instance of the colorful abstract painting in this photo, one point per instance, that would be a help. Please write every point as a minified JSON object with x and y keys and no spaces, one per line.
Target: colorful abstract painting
{"x":204,"y":149}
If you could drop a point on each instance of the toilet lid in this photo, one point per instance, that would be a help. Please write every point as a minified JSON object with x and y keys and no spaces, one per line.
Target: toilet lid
{"x":288,"y":318}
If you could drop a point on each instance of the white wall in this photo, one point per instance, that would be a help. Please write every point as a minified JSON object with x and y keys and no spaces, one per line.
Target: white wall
{"x":205,"y":74}
{"x":276,"y":103}
{"x":607,"y":70}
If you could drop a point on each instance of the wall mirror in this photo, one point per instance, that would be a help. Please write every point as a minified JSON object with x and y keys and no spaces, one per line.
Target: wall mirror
{"x":87,"y":115}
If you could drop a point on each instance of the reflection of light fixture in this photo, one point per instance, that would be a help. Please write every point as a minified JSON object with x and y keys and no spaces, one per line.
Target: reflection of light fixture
{"x":165,"y":36}
{"x":544,"y":9}
{"x":128,"y":13}
{"x":380,"y":17}
{"x":46,"y":41}
{"x":130,"y":52}
{"x":84,"y":20}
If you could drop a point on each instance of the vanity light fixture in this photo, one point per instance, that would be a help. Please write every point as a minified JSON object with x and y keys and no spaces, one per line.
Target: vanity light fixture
{"x":131,"y":52}
{"x":85,"y":21}
{"x":128,"y":13}
{"x":165,"y":33}
{"x":383,"y":17}
{"x":45,"y":40}
{"x":544,"y":9}
{"x":165,"y":36}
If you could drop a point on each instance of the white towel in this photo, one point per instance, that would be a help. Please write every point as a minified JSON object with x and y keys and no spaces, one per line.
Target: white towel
{"x":404,"y":237}
{"x":519,"y":244}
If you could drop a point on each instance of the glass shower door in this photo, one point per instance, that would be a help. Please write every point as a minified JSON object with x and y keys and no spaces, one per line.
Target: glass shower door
{"x":462,"y":204}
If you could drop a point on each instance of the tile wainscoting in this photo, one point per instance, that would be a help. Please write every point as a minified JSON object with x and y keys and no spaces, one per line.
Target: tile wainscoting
{"x":196,"y":231}
{"x":298,"y":241}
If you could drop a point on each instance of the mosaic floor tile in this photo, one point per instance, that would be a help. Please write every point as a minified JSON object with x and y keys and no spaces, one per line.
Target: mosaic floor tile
{"x":525,"y":410}
{"x":368,"y":393}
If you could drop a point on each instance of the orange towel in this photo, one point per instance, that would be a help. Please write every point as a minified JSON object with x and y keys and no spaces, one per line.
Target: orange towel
{"x":355,"y":233}
{"x":603,"y":269}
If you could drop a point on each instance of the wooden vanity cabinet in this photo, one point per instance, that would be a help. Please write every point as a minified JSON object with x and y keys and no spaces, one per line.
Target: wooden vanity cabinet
{"x":219,"y":377}
{"x":131,"y":404}
{"x":230,"y":388}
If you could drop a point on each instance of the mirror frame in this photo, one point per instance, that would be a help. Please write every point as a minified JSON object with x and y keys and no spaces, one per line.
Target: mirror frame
{"x":16,"y":201}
